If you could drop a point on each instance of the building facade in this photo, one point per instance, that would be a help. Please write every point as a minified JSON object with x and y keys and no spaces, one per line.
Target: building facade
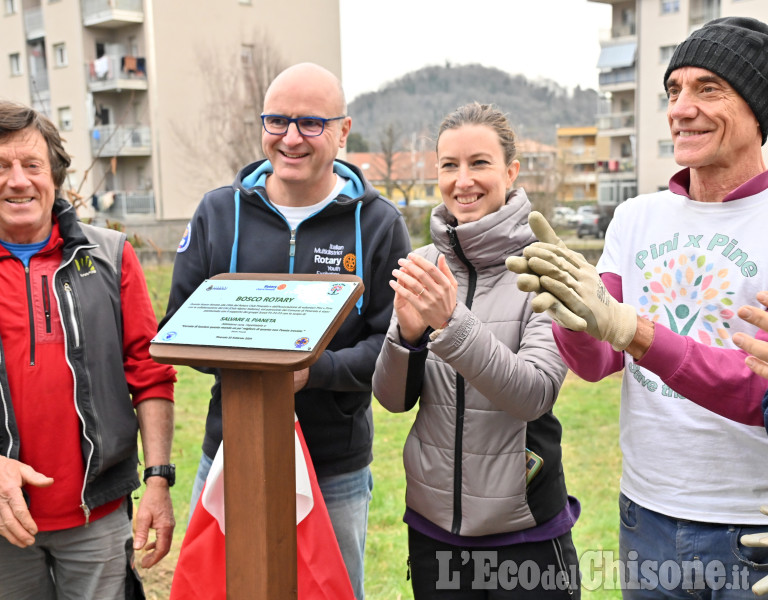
{"x":577,"y":165}
{"x":634,"y":57}
{"x":405,"y":177}
{"x":132,"y":84}
{"x":616,"y":118}
{"x":538,"y":172}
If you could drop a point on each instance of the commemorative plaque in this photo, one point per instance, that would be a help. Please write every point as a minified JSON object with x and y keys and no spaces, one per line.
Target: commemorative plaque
{"x":257,"y":329}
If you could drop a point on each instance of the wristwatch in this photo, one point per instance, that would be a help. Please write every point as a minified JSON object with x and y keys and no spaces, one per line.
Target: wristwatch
{"x":167,"y":471}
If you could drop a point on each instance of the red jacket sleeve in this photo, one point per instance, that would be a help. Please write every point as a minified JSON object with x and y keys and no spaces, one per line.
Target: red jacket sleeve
{"x":146,"y":378}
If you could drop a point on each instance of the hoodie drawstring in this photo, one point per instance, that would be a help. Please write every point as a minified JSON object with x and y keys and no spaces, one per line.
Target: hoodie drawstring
{"x":236,"y":241}
{"x":359,"y":253}
{"x":358,"y":245}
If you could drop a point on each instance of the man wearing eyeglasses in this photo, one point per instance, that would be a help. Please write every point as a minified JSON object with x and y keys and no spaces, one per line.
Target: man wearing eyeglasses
{"x":303,"y":211}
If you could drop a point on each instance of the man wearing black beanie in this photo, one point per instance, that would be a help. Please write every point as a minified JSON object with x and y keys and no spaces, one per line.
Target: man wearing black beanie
{"x":661,"y":305}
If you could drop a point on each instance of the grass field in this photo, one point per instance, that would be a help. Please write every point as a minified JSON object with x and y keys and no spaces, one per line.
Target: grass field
{"x":588,"y":412}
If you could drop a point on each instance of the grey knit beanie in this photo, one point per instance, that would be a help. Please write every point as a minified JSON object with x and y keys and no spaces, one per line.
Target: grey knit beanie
{"x":736,"y":49}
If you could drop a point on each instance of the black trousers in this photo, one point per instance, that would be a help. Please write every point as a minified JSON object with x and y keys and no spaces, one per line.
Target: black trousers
{"x":531,"y":570}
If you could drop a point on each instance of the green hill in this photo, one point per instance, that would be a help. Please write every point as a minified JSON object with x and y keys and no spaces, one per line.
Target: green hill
{"x":416,"y":103}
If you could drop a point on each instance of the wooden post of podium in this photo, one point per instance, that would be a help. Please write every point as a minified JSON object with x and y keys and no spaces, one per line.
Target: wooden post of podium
{"x":259,"y":465}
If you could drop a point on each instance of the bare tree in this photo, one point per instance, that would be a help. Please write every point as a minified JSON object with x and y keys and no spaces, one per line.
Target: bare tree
{"x":228,"y":133}
{"x":398,"y":170}
{"x":405,"y":186}
{"x":388,"y":142}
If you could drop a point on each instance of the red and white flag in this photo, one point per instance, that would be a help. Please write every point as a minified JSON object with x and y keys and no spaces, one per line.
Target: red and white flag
{"x":201,"y":569}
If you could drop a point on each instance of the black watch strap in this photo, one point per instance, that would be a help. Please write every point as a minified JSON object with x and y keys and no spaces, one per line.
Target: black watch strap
{"x":166,"y":471}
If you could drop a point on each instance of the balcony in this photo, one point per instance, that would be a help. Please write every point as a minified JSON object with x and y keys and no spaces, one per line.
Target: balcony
{"x":580,"y":178}
{"x":618,"y":165}
{"x":112,"y":13}
{"x":624,"y":30}
{"x":118,"y":140}
{"x":123,"y":204}
{"x":616,"y":170}
{"x":618,"y":77}
{"x":117,"y":73}
{"x":586,"y":155}
{"x":616,"y":123}
{"x":34,"y":28}
{"x":38,"y":83}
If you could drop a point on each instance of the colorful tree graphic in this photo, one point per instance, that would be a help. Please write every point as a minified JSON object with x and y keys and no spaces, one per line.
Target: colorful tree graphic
{"x":692,"y":295}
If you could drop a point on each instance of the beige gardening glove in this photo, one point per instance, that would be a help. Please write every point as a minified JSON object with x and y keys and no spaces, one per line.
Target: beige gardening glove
{"x":757,"y":540}
{"x":529,"y":281}
{"x":567,"y":279}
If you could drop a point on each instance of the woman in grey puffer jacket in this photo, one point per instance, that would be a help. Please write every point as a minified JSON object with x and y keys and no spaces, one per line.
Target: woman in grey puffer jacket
{"x":465,"y":343}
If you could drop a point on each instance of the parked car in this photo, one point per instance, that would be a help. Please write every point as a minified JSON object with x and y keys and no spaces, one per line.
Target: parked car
{"x":575,"y":218}
{"x":563,"y":216}
{"x":593,"y":222}
{"x":588,"y":210}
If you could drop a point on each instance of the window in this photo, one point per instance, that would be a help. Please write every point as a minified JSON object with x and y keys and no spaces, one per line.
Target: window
{"x":670,"y":6}
{"x":663,"y":102}
{"x":15,"y":59}
{"x":10,"y":7}
{"x":60,"y":52}
{"x":607,"y":193}
{"x":666,"y":148}
{"x":665,"y":54}
{"x":65,"y":118}
{"x":627,"y":190}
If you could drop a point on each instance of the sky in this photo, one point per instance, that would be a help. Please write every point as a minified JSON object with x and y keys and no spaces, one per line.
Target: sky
{"x":381,"y":40}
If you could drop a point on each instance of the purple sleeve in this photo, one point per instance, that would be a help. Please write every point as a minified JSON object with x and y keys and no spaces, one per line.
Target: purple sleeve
{"x":714,"y":378}
{"x":589,"y":358}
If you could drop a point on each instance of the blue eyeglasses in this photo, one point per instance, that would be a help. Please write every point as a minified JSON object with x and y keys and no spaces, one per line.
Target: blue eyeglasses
{"x":307,"y":126}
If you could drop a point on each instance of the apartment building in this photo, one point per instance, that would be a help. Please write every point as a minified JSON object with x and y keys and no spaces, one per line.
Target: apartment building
{"x":633,"y":59}
{"x":617,"y":133}
{"x":577,"y":164}
{"x":131,"y":84}
{"x":538,"y":171}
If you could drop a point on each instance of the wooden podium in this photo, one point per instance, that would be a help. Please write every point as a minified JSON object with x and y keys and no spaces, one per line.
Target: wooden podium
{"x":259,"y":466}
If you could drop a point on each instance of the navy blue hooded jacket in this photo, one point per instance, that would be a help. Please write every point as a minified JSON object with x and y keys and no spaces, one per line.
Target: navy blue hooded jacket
{"x":237,"y":229}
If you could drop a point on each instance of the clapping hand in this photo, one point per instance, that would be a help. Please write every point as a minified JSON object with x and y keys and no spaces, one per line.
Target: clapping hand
{"x":425,"y":295}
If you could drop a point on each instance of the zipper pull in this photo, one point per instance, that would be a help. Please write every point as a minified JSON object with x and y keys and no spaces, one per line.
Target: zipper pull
{"x":408,"y":572}
{"x":292,"y":251}
{"x":453,"y":239}
{"x":86,"y":512}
